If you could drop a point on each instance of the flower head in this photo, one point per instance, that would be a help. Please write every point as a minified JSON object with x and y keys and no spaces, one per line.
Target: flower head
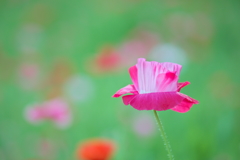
{"x":155,"y":87}
{"x":96,"y":149}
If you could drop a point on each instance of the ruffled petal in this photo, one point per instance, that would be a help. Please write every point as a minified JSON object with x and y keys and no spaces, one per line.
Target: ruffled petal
{"x":133,"y":71}
{"x":150,"y":75}
{"x":128,"y":89}
{"x":146,"y":76}
{"x":171,"y":67}
{"x":167,"y":82}
{"x":128,"y":98}
{"x":181,"y":85}
{"x":186,"y":104}
{"x":153,"y":101}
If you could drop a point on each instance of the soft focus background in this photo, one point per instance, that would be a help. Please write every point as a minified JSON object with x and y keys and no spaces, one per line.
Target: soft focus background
{"x":61,"y":61}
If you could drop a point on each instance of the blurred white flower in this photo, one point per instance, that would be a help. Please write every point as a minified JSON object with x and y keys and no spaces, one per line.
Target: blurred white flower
{"x":169,"y":53}
{"x":79,"y":88}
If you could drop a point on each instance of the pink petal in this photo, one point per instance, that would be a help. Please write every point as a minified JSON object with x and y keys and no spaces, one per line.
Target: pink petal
{"x":171,"y":67}
{"x":188,"y":98}
{"x":128,"y":89}
{"x":185,"y":105}
{"x":147,"y":73}
{"x":134,"y":76}
{"x":154,"y":101}
{"x":181,"y":85}
{"x":167,"y":82}
{"x":128,"y":98}
{"x":152,"y":74}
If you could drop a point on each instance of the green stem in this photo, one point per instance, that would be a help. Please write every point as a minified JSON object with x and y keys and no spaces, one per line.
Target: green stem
{"x":164,"y":137}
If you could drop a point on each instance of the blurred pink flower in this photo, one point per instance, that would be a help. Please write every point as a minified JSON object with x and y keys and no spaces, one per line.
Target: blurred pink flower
{"x":35,"y":113}
{"x":155,"y":87}
{"x":139,"y":46}
{"x":144,"y":125}
{"x":47,"y":148}
{"x":29,"y":75}
{"x":29,"y":71}
{"x":56,"y":110}
{"x":134,"y":48}
{"x":112,"y":58}
{"x":106,"y":61}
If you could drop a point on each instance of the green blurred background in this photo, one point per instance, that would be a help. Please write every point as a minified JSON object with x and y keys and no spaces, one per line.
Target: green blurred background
{"x":80,"y":51}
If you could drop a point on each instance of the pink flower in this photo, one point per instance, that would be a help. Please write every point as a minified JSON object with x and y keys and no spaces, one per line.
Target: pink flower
{"x":55,"y":110}
{"x":58,"y":111}
{"x":155,"y":87}
{"x":35,"y":113}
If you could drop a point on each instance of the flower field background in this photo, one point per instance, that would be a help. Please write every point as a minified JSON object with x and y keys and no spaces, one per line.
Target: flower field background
{"x":61,"y":62}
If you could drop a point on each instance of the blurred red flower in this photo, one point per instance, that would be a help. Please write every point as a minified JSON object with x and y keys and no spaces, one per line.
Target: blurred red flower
{"x":96,"y":149}
{"x":107,"y":60}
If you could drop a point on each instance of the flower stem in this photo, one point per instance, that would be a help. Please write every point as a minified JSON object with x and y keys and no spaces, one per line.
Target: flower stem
{"x":164,"y":137}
